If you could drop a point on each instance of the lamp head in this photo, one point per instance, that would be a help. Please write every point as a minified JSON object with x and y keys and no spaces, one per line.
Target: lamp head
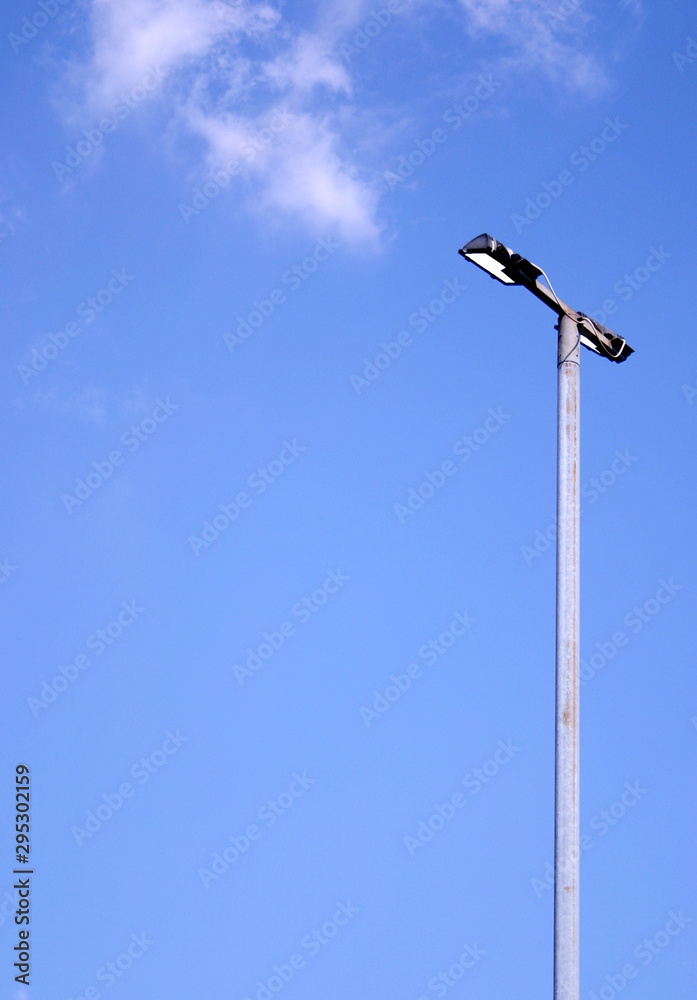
{"x":499,"y":261}
{"x":602,"y":340}
{"x":510,"y":268}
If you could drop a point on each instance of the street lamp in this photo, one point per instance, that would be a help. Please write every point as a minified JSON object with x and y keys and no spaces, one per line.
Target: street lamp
{"x":512,"y":269}
{"x":574,"y":328}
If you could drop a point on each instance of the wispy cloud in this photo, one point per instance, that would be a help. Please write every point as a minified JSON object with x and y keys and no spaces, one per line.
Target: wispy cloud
{"x":90,"y":404}
{"x":12,"y":215}
{"x":228,"y":68}
{"x":98,"y":405}
{"x":302,"y":172}
{"x":131,"y":36}
{"x":541,"y":35}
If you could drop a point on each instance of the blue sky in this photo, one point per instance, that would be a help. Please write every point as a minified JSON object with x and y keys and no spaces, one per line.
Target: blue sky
{"x":278,"y":573}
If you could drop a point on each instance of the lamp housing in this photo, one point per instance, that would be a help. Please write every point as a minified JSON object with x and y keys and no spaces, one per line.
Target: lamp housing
{"x":510,"y":268}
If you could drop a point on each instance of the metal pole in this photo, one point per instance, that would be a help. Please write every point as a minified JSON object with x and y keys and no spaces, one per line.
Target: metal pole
{"x":567,"y":848}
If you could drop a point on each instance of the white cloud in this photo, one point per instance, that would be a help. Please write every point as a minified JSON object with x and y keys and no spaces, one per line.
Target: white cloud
{"x":543,"y":35}
{"x":229,"y":68}
{"x":308,"y":176}
{"x":227,"y":96}
{"x":300,"y":172}
{"x":309,"y":64}
{"x":132,"y":36}
{"x":12,"y":217}
{"x":90,"y":404}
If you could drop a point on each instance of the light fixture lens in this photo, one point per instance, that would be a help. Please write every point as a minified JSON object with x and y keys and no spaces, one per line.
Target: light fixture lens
{"x":490,"y":264}
{"x":589,"y":344}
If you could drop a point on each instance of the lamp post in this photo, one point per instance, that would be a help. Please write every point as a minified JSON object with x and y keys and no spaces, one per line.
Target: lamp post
{"x":575,"y":329}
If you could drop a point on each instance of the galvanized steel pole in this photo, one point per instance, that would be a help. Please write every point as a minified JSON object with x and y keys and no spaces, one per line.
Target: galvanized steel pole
{"x":575,"y":328}
{"x":567,"y":814}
